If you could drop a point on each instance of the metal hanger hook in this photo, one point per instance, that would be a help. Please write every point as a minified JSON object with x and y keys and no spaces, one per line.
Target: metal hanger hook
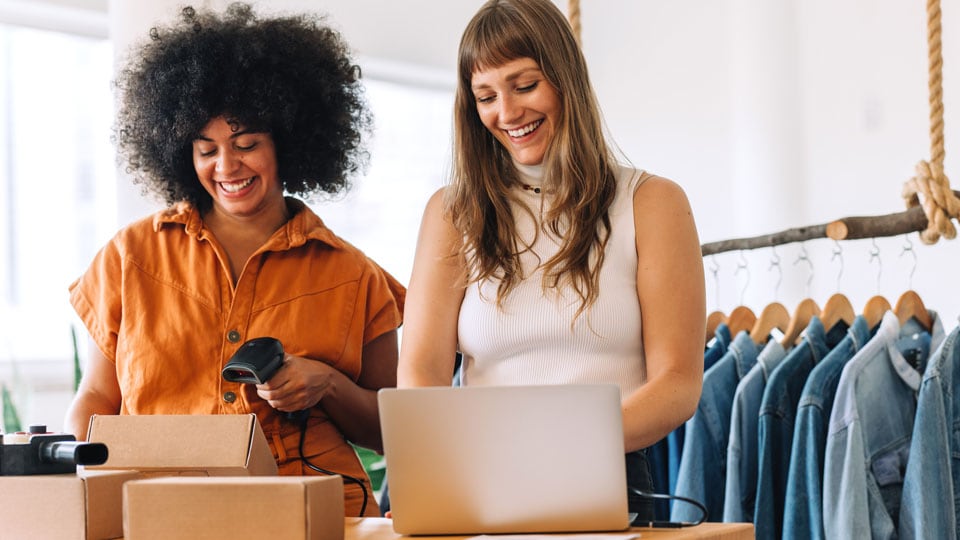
{"x":838,"y":252}
{"x":875,"y":254}
{"x":804,"y":256}
{"x":775,"y":262}
{"x":742,"y":265}
{"x":908,"y":246}
{"x":715,"y":269}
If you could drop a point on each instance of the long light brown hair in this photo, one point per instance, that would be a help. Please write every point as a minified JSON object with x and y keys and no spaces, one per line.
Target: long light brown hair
{"x":579,"y":166}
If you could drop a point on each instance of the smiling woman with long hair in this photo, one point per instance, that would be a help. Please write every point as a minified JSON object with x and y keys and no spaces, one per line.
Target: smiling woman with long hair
{"x":546,"y":260}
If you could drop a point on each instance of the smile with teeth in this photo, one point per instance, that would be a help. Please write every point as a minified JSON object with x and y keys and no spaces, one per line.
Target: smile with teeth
{"x":236,"y":186}
{"x":520,"y":132}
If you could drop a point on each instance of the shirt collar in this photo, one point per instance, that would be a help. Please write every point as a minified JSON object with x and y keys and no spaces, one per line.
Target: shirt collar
{"x":304,"y":225}
{"x":890,"y":330}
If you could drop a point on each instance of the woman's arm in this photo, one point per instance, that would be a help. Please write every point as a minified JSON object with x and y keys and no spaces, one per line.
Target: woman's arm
{"x":670,"y":287}
{"x":303,"y":383}
{"x":429,"y":345}
{"x":99,"y":393}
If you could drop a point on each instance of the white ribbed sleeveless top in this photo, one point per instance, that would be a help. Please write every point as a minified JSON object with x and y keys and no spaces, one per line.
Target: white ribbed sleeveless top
{"x":530,"y":339}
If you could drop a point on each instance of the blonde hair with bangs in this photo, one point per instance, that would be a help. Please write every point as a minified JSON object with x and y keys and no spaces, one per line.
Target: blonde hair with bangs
{"x":579,"y":166}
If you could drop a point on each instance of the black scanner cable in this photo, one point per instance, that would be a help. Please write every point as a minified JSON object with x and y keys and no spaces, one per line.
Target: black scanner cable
{"x":346,"y":478}
{"x":670,"y":524}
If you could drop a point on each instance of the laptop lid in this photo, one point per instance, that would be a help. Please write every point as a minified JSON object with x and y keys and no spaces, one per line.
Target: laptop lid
{"x":504,"y":459}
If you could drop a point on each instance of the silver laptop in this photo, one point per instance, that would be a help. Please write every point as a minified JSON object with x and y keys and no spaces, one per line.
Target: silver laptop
{"x":504,"y":459}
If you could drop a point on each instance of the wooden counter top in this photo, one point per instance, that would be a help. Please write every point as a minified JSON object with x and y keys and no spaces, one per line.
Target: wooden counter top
{"x":382,"y":529}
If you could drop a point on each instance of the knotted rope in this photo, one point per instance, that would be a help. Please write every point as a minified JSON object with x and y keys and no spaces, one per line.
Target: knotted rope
{"x":939,"y":202}
{"x":573,"y":14}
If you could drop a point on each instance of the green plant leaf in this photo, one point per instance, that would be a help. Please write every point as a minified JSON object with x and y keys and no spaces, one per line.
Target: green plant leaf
{"x":373,"y":464}
{"x":77,"y":372}
{"x":11,"y":420}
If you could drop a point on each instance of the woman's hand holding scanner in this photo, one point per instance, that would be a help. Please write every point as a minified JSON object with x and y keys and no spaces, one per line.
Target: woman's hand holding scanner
{"x":300,"y":385}
{"x":256,"y":362}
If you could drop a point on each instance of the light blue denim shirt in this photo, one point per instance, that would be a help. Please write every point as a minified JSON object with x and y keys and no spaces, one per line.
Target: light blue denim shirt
{"x":775,"y":424}
{"x":703,"y":462}
{"x":803,"y":517}
{"x":741,"y":486}
{"x":871,"y":425}
{"x":929,"y":508}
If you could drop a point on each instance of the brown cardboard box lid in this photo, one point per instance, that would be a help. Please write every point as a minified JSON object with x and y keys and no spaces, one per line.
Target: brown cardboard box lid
{"x":86,"y":505}
{"x":214,"y":445}
{"x":234,"y":508}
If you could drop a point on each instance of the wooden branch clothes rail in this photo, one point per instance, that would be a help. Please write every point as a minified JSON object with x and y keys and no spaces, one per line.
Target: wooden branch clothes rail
{"x":849,"y":228}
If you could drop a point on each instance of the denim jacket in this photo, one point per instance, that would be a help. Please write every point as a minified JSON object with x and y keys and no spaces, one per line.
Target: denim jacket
{"x":929,"y":507}
{"x":703,"y":461}
{"x":871,"y":426}
{"x":775,"y":424}
{"x":664,"y":455}
{"x":741,"y":484}
{"x":803,"y":518}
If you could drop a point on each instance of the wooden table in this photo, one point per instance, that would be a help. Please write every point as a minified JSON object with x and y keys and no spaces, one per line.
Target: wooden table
{"x":382,"y":529}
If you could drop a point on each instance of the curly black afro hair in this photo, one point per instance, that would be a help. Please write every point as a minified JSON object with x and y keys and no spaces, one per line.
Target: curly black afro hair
{"x":290,"y":76}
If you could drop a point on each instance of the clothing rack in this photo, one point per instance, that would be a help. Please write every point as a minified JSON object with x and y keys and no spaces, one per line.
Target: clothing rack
{"x":848,"y":228}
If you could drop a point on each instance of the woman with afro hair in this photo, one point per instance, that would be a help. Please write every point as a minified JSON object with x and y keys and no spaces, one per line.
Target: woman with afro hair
{"x":226,"y":117}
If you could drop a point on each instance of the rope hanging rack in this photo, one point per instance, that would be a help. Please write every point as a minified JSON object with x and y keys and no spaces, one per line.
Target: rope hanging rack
{"x":930,"y":215}
{"x":573,"y":15}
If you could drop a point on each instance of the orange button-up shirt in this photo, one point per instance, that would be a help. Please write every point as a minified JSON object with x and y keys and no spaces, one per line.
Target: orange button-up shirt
{"x":160,"y":303}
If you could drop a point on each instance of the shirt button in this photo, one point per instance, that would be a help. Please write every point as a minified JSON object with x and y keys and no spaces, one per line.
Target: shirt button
{"x":229,"y":397}
{"x":233,"y":336}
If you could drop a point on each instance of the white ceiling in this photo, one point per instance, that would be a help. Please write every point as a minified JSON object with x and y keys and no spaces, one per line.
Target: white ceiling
{"x":422,"y":32}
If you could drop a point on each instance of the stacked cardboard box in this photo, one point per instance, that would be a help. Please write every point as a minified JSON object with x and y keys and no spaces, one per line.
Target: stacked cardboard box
{"x":233,"y":508}
{"x":88,"y":505}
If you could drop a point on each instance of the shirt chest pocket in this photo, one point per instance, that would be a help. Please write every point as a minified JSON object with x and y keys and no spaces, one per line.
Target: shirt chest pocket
{"x":324,"y":324}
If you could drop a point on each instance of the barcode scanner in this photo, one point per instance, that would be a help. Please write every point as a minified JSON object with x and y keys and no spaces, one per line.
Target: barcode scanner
{"x":255,"y":362}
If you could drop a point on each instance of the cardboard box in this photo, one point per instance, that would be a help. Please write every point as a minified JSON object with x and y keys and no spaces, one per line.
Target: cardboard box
{"x":83,"y":506}
{"x":188,"y":445}
{"x":234,"y":508}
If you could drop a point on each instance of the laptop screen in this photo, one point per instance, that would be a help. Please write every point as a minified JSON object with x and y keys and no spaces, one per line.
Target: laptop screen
{"x":504,"y":459}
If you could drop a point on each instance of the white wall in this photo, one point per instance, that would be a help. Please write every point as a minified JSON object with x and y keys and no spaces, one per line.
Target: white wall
{"x":775,"y":115}
{"x":772,"y":115}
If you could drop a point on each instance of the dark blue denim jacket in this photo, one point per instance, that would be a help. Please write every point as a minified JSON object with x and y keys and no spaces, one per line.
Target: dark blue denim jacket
{"x":664,"y":455}
{"x":775,"y":424}
{"x":703,"y":462}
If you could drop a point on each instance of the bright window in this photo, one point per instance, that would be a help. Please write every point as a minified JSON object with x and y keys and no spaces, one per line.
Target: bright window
{"x":409,"y":160}
{"x":57,"y":182}
{"x":59,"y":197}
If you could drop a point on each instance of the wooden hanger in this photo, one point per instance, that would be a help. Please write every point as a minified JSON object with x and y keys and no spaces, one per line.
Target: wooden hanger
{"x":714,"y":318}
{"x":874,"y":309}
{"x":741,"y":318}
{"x":838,"y":308}
{"x":805,"y":311}
{"x":774,"y":315}
{"x":910,"y":306}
